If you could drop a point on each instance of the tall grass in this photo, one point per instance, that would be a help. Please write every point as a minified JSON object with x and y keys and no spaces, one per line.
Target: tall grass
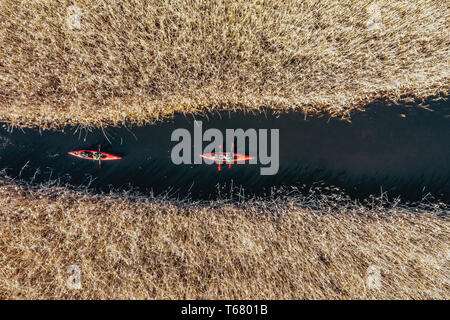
{"x":105,"y":62}
{"x":293,"y":248}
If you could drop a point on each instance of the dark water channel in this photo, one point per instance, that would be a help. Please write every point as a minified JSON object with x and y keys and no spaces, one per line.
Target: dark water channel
{"x":403,"y":150}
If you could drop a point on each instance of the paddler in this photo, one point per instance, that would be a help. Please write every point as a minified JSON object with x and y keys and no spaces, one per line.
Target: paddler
{"x":97,"y":156}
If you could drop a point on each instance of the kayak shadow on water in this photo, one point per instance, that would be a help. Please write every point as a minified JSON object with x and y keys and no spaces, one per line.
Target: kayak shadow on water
{"x":403,"y":150}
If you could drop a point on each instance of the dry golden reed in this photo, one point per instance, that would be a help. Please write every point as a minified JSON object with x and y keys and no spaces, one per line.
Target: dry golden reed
{"x":94,"y":63}
{"x":127,"y":247}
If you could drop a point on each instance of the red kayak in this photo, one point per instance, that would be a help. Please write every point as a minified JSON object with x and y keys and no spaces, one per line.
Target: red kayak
{"x":94,"y":155}
{"x":225,"y":157}
{"x":221,"y":157}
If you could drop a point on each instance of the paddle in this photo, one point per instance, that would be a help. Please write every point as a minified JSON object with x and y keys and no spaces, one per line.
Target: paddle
{"x":99,"y":160}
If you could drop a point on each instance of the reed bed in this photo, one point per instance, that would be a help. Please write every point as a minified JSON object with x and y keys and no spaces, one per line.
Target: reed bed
{"x":130,"y":247}
{"x":95,"y":63}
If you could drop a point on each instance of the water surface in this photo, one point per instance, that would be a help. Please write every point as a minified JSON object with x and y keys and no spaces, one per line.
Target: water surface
{"x":403,"y":150}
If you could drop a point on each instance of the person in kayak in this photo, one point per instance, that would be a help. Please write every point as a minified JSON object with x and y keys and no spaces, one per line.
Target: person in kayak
{"x":97,"y":156}
{"x":85,"y":154}
{"x":226,"y":157}
{"x":93,"y":155}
